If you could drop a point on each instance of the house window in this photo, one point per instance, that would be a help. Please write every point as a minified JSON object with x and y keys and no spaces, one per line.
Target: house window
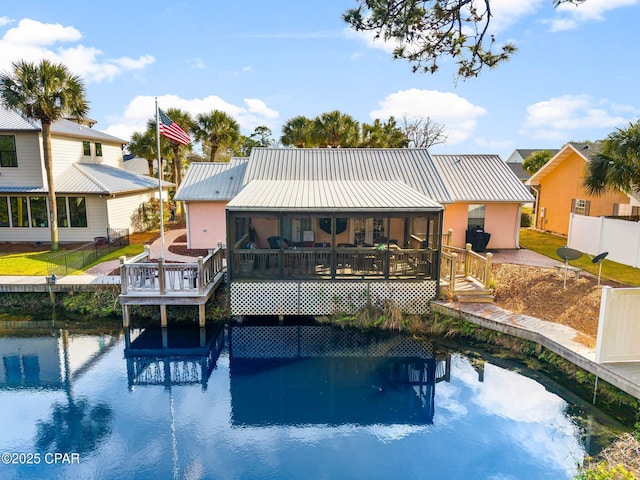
{"x":580,"y":206}
{"x":98,"y":149}
{"x":86,"y":148}
{"x":77,"y":212}
{"x":38,"y":212}
{"x":19,"y":213}
{"x":61,"y":207}
{"x":8,"y":156}
{"x":475,"y":217}
{"x":4,"y":212}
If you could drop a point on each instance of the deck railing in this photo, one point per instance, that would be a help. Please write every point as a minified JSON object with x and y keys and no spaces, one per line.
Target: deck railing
{"x":465,"y":262}
{"x":140,"y":275}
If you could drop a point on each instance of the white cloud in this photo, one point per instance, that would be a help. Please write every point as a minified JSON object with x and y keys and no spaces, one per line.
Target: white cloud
{"x":196,"y":63}
{"x":260,"y":108}
{"x":592,"y":10}
{"x":5,"y":21}
{"x":368,"y":40}
{"x":255,"y":112}
{"x":32,"y":41}
{"x":32,"y":32}
{"x":458,"y":115}
{"x":506,"y":13}
{"x":565,"y":116}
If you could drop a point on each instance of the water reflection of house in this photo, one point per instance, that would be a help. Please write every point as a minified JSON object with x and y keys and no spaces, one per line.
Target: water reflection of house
{"x":49,"y":361}
{"x":172,"y":356}
{"x":295,"y":375}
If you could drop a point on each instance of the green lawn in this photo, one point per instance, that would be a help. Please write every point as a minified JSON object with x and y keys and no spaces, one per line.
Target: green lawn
{"x":547,"y":244}
{"x":38,"y":263}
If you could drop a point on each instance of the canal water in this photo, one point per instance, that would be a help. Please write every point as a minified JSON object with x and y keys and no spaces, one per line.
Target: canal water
{"x":276,"y":402}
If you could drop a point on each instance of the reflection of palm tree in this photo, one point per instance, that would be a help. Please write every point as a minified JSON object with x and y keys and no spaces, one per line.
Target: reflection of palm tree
{"x":76,"y":427}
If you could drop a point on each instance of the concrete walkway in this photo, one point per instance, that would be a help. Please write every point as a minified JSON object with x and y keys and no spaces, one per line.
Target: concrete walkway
{"x":560,"y":339}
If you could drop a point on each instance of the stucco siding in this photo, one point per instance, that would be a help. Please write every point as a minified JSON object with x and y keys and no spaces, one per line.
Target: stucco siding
{"x":29,"y":172}
{"x":501,"y":221}
{"x":207,"y":224}
{"x":563,"y":184}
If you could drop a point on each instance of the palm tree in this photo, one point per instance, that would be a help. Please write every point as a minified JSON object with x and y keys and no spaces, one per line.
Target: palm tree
{"x":218,"y":129}
{"x":617,"y":166}
{"x":383,"y":135}
{"x":45,"y":92}
{"x":336,"y":129}
{"x":143,"y":145}
{"x":297,"y":132}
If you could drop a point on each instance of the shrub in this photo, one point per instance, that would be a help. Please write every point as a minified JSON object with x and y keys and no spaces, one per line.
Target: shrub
{"x":525,"y":220}
{"x":147,"y":215}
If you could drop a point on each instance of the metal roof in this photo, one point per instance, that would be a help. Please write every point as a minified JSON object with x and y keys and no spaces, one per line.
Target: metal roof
{"x":73,"y":129}
{"x":413,"y":167}
{"x":23,"y":190}
{"x":206,"y":181}
{"x":11,"y":120}
{"x":480,"y":178}
{"x":102,"y":179}
{"x":330,"y":195}
{"x":584,"y":150}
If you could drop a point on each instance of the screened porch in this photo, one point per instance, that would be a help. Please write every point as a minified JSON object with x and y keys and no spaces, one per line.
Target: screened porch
{"x":297,"y":245}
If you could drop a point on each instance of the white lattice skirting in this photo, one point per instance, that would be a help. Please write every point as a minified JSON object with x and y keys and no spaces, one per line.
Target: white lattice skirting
{"x":324,"y":298}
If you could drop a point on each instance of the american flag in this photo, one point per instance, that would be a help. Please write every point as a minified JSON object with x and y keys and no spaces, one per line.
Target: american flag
{"x":171,"y":130}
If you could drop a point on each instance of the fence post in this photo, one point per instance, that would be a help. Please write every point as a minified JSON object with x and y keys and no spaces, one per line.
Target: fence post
{"x":453,"y":269}
{"x":467,"y":259}
{"x":161,"y":276}
{"x":66,"y":263}
{"x":123,"y":274}
{"x":487,"y":271}
{"x":200,"y":276}
{"x":449,"y":236}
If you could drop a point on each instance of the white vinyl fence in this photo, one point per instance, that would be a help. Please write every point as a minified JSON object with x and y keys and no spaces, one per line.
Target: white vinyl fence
{"x":619,"y":326}
{"x":595,"y":235}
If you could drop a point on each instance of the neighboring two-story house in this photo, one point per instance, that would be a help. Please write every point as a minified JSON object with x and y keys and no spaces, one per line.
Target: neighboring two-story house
{"x":94,"y":193}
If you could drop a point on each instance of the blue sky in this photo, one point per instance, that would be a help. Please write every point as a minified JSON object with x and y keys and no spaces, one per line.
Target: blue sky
{"x":575,"y":76}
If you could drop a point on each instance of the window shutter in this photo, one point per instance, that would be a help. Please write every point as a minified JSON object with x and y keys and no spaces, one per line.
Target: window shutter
{"x":573,"y":205}
{"x":587,"y":204}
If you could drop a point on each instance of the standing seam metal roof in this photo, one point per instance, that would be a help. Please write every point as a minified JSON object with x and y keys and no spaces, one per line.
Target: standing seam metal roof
{"x":103,"y":179}
{"x":206,"y":181}
{"x":480,"y":178}
{"x":413,"y":167}
{"x":331,"y":195}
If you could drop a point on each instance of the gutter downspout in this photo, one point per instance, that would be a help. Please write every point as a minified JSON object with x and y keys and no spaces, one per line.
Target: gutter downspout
{"x":537,"y":195}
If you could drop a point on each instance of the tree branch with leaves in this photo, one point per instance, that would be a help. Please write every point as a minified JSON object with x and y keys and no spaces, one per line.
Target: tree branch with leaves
{"x":428,"y":31}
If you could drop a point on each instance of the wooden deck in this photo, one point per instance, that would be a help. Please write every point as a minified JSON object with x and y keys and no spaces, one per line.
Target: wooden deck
{"x":560,"y":339}
{"x":143,"y":282}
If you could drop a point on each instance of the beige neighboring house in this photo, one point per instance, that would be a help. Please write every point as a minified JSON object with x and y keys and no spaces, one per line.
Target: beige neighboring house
{"x":95,"y":195}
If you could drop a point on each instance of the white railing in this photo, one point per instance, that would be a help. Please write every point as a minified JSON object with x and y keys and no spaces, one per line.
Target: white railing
{"x":140,"y":275}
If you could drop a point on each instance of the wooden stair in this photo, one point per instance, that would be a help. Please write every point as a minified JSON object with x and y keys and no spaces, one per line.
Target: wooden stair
{"x":469,"y":290}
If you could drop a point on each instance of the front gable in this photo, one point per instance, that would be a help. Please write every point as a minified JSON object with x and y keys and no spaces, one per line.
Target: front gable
{"x":559,"y":184}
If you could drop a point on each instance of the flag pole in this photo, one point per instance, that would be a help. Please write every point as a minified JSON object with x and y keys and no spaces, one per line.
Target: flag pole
{"x":160,"y":181}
